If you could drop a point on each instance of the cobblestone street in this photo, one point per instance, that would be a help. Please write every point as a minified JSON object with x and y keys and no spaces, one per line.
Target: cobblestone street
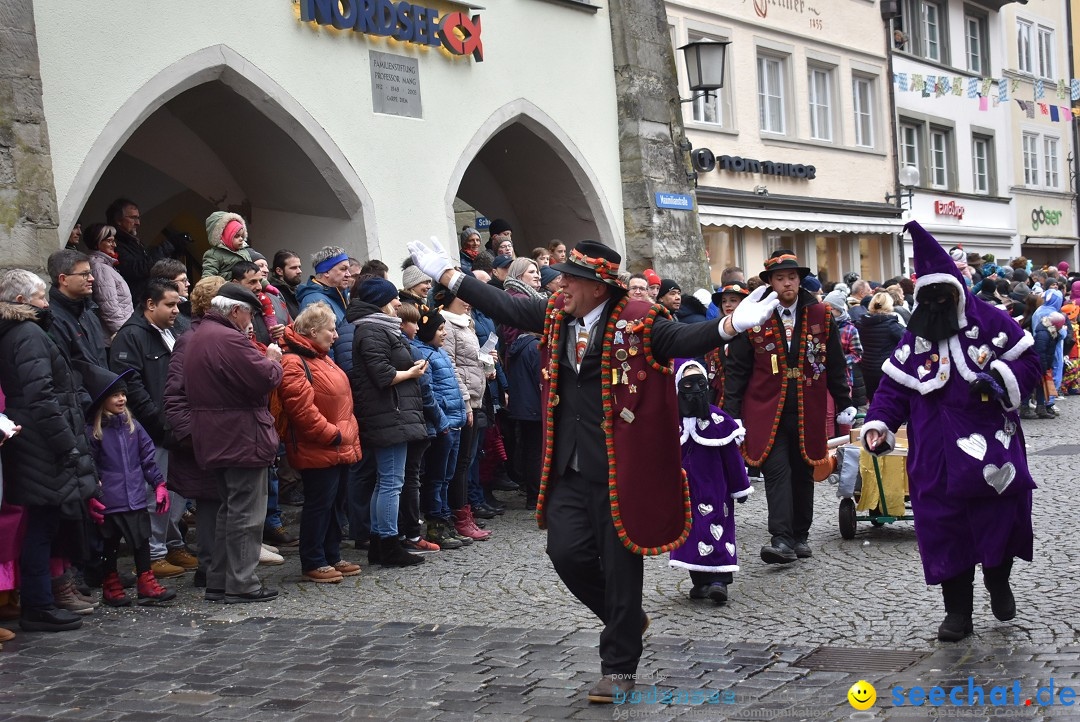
{"x":488,"y":632}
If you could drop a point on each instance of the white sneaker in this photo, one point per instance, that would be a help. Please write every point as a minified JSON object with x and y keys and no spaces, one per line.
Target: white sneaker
{"x":270,"y":558}
{"x":272,"y":550}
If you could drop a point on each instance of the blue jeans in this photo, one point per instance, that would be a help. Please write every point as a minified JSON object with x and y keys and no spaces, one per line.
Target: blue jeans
{"x":320,"y":534}
{"x":390,"y":462}
{"x":273,"y":513}
{"x":439,"y":469}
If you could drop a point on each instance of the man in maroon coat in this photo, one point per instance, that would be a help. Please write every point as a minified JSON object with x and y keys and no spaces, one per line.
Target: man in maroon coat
{"x":611,"y":489}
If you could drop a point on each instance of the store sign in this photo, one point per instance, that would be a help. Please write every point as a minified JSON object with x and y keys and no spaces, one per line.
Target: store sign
{"x":404,"y":21}
{"x":951,"y":208}
{"x":395,"y":85}
{"x":1042,"y":217}
{"x":704,"y":161}
{"x":675,"y":201}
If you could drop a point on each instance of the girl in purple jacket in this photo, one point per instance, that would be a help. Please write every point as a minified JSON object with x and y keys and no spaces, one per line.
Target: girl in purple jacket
{"x":124,"y":455}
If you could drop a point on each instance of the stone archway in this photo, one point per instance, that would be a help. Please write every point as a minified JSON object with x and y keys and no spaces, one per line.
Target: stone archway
{"x":521,"y":166}
{"x":210,"y":132}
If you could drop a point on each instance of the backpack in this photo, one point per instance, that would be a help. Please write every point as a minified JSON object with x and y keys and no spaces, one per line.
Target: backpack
{"x":277,"y":408}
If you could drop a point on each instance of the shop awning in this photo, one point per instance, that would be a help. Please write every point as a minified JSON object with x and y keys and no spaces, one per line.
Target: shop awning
{"x":778,"y":220}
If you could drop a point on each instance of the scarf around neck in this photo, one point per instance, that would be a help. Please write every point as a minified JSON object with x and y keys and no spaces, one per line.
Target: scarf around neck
{"x":515,"y":284}
{"x":382,"y":320}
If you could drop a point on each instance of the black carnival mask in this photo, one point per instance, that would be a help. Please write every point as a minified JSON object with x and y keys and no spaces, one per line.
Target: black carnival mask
{"x":934,"y":318}
{"x":694,"y":396}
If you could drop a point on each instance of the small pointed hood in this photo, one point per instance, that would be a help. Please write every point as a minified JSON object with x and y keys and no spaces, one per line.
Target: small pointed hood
{"x":933,"y":264}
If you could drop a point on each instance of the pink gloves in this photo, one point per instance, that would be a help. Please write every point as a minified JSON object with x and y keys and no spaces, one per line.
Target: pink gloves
{"x":96,"y":509}
{"x":162,"y":496}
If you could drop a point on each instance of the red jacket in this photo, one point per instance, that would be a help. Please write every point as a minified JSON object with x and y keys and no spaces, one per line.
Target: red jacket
{"x":318,"y":409}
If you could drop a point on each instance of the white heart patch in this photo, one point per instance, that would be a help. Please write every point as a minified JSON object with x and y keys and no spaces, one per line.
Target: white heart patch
{"x":972,"y":332}
{"x":922,"y":345}
{"x":974,"y":445}
{"x":704,"y":549}
{"x":1001,"y":339}
{"x":706,"y":509}
{"x":1004,"y":438}
{"x":717,"y":418}
{"x":730,"y":548}
{"x":902,"y":353}
{"x":999,"y":478}
{"x":702,"y":423}
{"x":980,"y":355}
{"x":923,"y":371}
{"x":716,"y":530}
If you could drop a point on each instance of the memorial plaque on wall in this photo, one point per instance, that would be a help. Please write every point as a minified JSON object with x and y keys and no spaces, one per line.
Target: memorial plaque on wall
{"x":395,"y":85}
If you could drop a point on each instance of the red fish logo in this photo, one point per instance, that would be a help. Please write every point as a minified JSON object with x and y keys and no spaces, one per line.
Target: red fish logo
{"x":470,"y":44}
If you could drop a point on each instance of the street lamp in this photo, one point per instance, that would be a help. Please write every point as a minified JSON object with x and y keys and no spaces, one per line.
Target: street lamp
{"x":909,"y":178}
{"x":705,"y":61}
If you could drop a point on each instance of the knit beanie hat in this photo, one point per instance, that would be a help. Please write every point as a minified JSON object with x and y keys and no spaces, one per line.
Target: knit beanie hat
{"x":413,"y":276}
{"x":837,"y":300}
{"x":666,"y":285}
{"x":430,"y":320}
{"x":651,"y":276}
{"x":255,"y":255}
{"x":376,"y":291}
{"x":228,"y":236}
{"x":547,"y":275}
{"x":499,"y":226}
{"x":811,"y":284}
{"x":1020,"y":275}
{"x":1074,"y":292}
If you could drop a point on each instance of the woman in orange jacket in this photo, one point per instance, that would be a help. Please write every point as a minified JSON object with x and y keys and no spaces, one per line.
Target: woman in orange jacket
{"x":321,"y":438}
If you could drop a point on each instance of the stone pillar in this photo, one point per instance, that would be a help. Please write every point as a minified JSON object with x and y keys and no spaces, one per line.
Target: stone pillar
{"x":28,"y":212}
{"x":650,"y":130}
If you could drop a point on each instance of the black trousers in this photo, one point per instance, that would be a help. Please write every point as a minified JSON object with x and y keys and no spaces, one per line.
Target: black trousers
{"x":409,"y":506}
{"x":597,"y":569}
{"x":789,"y":485}
{"x":531,"y":455}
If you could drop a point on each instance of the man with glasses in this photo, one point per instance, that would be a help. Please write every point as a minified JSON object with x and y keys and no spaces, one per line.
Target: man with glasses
{"x":638,"y":287}
{"x":76,"y":327}
{"x":135,"y":257}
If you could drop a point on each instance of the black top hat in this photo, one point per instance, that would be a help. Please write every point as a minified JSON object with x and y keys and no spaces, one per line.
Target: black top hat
{"x":734,"y":287}
{"x":100,"y":383}
{"x":783,"y":261}
{"x":593,"y":261}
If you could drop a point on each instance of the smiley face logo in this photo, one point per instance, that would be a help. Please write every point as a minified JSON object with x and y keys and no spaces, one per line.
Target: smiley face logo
{"x":862,"y":695}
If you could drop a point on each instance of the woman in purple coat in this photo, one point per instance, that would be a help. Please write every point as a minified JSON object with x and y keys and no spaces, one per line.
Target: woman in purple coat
{"x":957,"y":378}
{"x":717,"y":477}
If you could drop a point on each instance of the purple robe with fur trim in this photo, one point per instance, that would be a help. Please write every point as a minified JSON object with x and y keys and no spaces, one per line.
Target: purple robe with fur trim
{"x":967,"y":467}
{"x":717,"y":476}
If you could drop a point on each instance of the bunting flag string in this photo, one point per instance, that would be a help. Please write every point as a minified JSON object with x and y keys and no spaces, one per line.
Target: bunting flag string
{"x":994,"y":92}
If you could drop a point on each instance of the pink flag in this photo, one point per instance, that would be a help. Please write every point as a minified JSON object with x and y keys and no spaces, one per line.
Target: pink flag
{"x":984,"y":103}
{"x":1066,"y":114}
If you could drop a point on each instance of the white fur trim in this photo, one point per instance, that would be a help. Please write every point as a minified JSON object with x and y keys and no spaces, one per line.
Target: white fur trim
{"x":702,"y":567}
{"x":690,"y":431}
{"x":745,"y":492}
{"x":959,"y":360}
{"x":932,"y":383}
{"x":932,"y":278}
{"x":1021,"y":346}
{"x":879,"y":426}
{"x":682,"y":370}
{"x":1012,"y":387}
{"x":218,"y":228}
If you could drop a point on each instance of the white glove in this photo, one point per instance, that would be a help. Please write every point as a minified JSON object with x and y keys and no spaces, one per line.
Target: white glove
{"x":755,"y":310}
{"x":433,"y":261}
{"x":845,"y":417}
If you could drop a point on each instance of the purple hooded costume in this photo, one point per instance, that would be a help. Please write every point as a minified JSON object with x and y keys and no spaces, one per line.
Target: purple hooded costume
{"x":967,"y":469}
{"x":717,"y":477}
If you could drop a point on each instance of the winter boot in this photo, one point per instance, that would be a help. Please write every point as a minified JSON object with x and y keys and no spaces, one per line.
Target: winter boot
{"x":450,"y":530}
{"x":996,"y":581}
{"x":1041,"y":412}
{"x":64,"y":597}
{"x":958,"y":595}
{"x":1026,"y":412}
{"x":438,"y":534}
{"x":150,"y":592}
{"x":112,"y":591}
{"x":373,"y":550}
{"x":392,"y":554}
{"x":466,"y":526}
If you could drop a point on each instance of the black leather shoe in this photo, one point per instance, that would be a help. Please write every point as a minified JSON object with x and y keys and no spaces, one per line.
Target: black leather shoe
{"x":259,"y":595}
{"x":483,"y":511}
{"x":48,"y":619}
{"x":777,"y":553}
{"x":699,"y":591}
{"x":802,"y":550}
{"x":717,"y":591}
{"x":214,"y":595}
{"x":503,"y":483}
{"x":955,"y":627}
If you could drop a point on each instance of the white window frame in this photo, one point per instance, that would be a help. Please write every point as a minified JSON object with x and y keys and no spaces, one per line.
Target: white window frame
{"x":1051,"y":163}
{"x":1045,"y":45}
{"x":1023,"y":46}
{"x":1029,"y":149}
{"x":863,"y":110}
{"x":975,"y":43}
{"x":768,"y":95}
{"x":909,"y":145}
{"x":820,"y":101}
{"x":939,"y":158}
{"x":935,"y":40}
{"x":981,"y":153}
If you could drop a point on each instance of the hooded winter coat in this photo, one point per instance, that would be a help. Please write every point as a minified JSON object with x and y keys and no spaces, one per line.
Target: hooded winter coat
{"x":77,"y":330}
{"x":691,"y":310}
{"x":228,"y":384}
{"x":219,"y":259}
{"x":322,"y":429}
{"x":49,"y":462}
{"x":879,"y":333}
{"x":463,"y":347}
{"x":387,"y":413}
{"x":111,"y":292}
{"x":338,"y":301}
{"x":185,"y":475}
{"x":125,"y":463}
{"x":433,"y":414}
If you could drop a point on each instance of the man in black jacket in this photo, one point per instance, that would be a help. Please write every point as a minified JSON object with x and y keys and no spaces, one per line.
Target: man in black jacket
{"x":144,"y":344}
{"x":135,"y":257}
{"x":583,"y":543}
{"x":76,"y":327}
{"x":286,"y":273}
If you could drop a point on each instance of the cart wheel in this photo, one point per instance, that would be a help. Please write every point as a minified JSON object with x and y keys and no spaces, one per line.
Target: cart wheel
{"x":847,"y":518}
{"x":874,"y":514}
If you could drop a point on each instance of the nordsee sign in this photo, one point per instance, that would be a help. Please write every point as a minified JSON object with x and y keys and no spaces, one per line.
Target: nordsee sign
{"x":676,"y":201}
{"x":404,"y":21}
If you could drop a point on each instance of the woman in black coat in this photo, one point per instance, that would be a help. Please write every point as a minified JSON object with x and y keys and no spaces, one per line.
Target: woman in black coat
{"x":388,"y":405}
{"x":879,"y":331}
{"x":50,"y":470}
